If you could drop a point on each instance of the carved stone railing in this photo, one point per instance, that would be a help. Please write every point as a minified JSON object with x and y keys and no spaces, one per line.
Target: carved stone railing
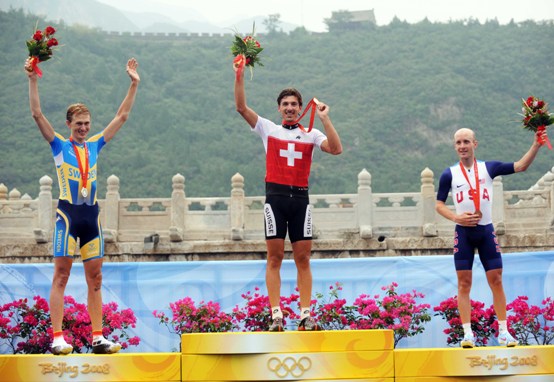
{"x":365,"y":215}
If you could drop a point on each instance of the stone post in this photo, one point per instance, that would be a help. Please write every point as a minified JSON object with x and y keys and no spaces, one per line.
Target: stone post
{"x":498,"y":206}
{"x":365,"y":205}
{"x":428,"y":202}
{"x":3,"y":192}
{"x":178,"y":207}
{"x":237,"y":207}
{"x":44,"y":230}
{"x":111,"y":213}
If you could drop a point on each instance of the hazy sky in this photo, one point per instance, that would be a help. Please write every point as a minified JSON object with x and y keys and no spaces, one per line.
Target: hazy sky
{"x":310,"y":13}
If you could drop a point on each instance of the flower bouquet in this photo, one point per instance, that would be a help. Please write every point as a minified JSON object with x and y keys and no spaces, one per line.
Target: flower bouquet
{"x":40,"y":47}
{"x":536,"y":117}
{"x":246,"y":51}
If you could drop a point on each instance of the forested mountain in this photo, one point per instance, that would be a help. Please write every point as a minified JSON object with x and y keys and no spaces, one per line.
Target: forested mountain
{"x":396,"y":93}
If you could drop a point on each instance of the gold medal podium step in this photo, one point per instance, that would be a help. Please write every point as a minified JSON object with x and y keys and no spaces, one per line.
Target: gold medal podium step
{"x":356,"y":355}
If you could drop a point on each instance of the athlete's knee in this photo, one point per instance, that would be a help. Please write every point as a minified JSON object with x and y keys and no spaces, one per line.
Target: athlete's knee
{"x":302,"y":260}
{"x":61,"y":277}
{"x":94,"y":280}
{"x":274,"y":260}
{"x":494,"y":278}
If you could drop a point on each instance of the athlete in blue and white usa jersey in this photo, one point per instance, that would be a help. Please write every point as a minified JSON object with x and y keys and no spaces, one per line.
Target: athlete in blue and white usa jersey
{"x":453,"y":179}
{"x":474,"y":229}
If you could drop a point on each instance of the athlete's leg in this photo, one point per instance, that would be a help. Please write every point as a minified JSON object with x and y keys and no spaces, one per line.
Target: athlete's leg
{"x":93,"y":275}
{"x":494,"y":278}
{"x":302,"y":251}
{"x":62,"y":269}
{"x":275,"y":255}
{"x":464,"y":289}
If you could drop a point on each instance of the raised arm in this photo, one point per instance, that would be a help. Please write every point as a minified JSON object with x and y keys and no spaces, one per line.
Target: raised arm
{"x":248,"y":114}
{"x":44,"y":126}
{"x":529,"y":156}
{"x":125,"y":108}
{"x":333,"y":144}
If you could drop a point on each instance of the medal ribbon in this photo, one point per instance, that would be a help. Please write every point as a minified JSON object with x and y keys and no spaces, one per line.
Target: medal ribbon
{"x":82,"y":170}
{"x":476,"y":192}
{"x":311,"y":105}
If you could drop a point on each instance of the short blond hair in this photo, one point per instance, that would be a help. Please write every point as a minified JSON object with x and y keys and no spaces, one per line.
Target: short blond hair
{"x":76,"y":108}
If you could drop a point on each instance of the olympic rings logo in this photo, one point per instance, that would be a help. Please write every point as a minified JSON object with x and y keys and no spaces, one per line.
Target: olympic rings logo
{"x":289,"y":365}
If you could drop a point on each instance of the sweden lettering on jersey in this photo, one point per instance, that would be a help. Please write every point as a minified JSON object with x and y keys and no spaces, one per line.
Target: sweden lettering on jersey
{"x":288,"y":152}
{"x":67,"y":167}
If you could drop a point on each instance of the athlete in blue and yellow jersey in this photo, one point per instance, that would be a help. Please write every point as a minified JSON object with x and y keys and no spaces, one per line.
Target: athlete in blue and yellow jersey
{"x":77,"y":215}
{"x":470,"y":184}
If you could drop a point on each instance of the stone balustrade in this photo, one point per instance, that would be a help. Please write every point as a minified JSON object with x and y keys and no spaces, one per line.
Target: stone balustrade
{"x":362,"y":220}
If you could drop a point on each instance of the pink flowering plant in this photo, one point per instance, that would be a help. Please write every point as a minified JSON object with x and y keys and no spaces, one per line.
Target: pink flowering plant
{"x":483,"y":321}
{"x":24,"y":328}
{"x":331,"y":311}
{"x":187,"y":317}
{"x":254,"y":315}
{"x":27,"y":329}
{"x":77,"y":327}
{"x":399,"y":312}
{"x":531,"y":324}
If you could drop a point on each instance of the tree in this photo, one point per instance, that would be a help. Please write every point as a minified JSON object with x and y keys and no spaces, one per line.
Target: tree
{"x":272,"y":23}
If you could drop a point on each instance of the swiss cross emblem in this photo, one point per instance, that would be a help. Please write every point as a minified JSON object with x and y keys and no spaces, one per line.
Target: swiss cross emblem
{"x":290,"y":154}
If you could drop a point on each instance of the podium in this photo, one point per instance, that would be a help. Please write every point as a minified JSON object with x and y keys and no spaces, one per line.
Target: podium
{"x":131,"y":367}
{"x":492,"y":363}
{"x":357,"y":355}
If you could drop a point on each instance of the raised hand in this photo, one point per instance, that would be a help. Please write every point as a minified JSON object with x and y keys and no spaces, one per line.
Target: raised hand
{"x":132,"y":66}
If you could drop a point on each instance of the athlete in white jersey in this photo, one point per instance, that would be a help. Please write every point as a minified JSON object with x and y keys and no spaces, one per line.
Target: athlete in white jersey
{"x":470,"y":181}
{"x":289,"y":150}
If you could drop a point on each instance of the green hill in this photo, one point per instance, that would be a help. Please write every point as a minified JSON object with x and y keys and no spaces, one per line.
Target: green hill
{"x":396,"y":93}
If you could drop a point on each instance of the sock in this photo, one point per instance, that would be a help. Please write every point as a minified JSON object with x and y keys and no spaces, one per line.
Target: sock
{"x":304,"y":312}
{"x":97,"y":335}
{"x":502,"y":326}
{"x":467,"y":329}
{"x":276,"y":312}
{"x":58,"y":339}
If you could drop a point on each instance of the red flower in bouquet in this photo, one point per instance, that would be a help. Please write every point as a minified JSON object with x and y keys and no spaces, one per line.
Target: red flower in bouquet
{"x":246,"y":51}
{"x":40,"y":47}
{"x":536,"y":117}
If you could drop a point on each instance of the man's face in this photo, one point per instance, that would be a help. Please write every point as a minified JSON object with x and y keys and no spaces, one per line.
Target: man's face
{"x":289,"y":108}
{"x":465,"y":144}
{"x":79,"y":126}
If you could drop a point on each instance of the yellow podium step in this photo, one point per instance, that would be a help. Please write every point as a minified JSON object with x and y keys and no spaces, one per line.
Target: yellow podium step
{"x":362,"y":355}
{"x":133,"y":367}
{"x":493,"y":363}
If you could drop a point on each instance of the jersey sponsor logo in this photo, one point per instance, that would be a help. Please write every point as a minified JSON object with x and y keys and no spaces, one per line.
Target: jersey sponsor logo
{"x":308,"y":222}
{"x":59,"y":240}
{"x":270,"y":227}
